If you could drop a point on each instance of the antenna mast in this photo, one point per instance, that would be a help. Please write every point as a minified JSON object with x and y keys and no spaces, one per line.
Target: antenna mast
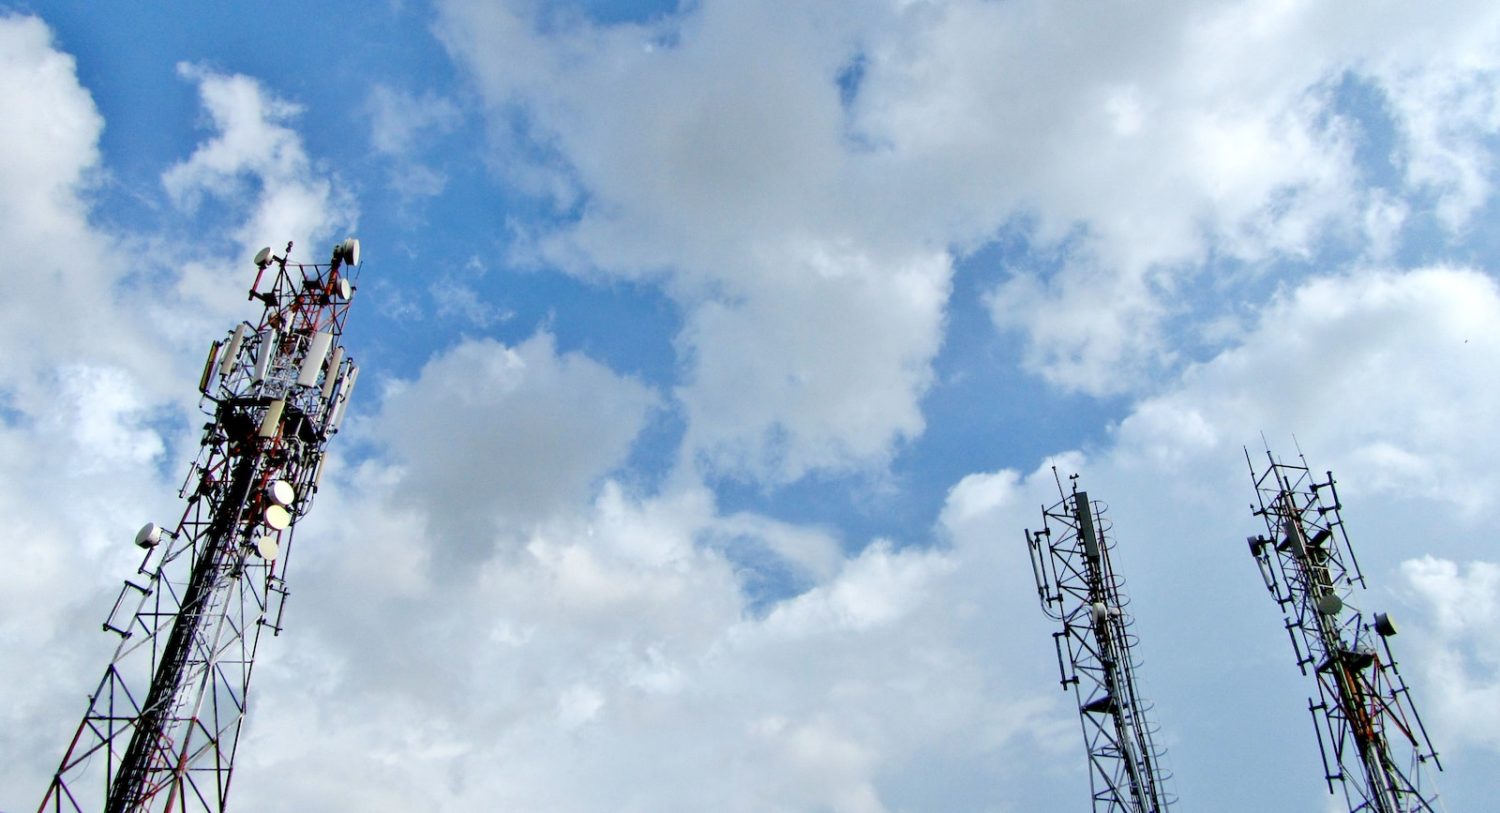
{"x":163,"y":726}
{"x":1371,"y":738}
{"x":1077,"y":586}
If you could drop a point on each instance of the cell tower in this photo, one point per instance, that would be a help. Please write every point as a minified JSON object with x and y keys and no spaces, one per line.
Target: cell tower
{"x":1078,"y":586}
{"x":1372,"y":741}
{"x":163,"y":726}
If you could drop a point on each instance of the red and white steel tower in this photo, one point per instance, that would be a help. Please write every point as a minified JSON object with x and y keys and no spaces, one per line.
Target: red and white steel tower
{"x":1372,"y":741}
{"x":163,"y":726}
{"x":1078,"y":587}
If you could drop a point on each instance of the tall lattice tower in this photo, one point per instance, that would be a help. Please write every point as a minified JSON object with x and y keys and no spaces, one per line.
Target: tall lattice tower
{"x":163,"y":726}
{"x":1078,"y":587}
{"x":1373,"y":743}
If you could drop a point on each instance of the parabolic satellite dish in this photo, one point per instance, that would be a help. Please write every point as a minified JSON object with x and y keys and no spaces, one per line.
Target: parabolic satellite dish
{"x":267,"y":547}
{"x":350,"y":250}
{"x":281,"y":492}
{"x":149,"y":535}
{"x":277,"y":517}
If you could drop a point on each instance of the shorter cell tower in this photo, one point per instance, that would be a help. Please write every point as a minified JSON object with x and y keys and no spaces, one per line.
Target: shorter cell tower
{"x":1372,"y":741}
{"x":1078,"y":587}
{"x":163,"y":727}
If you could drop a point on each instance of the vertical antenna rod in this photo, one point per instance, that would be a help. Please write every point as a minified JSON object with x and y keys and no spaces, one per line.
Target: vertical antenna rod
{"x":1371,"y":738}
{"x":163,"y":726}
{"x":1077,"y":586}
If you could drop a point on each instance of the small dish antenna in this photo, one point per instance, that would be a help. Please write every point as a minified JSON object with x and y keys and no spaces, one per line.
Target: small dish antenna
{"x":345,"y":289}
{"x":349,"y":250}
{"x":1330,"y":604}
{"x":263,"y":257}
{"x":267,"y":547}
{"x":1384,"y":626}
{"x":149,"y":536}
{"x":277,"y":517}
{"x":281,"y":492}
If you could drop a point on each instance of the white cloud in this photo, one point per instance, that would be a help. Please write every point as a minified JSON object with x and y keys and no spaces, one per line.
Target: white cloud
{"x":490,"y":436}
{"x":1463,"y":655}
{"x":712,"y":150}
{"x":1388,"y":371}
{"x":55,"y":263}
{"x":456,"y":299}
{"x":400,"y":120}
{"x":821,"y":367}
{"x":598,"y":632}
{"x":716,"y":166}
{"x":1443,"y":89}
{"x":254,"y":155}
{"x":53,"y":129}
{"x":616,"y":645}
{"x":1136,"y":142}
{"x":876,"y":588}
{"x":403,"y":127}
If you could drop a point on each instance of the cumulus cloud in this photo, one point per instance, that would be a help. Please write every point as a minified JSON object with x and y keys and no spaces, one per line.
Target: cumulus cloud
{"x":1218,"y":129}
{"x":715,"y":165}
{"x":403,"y":126}
{"x":55,"y":263}
{"x":821,"y":370}
{"x":255,"y":155}
{"x":399,"y":120}
{"x":615,"y":644}
{"x":1138,"y":143}
{"x":1387,"y":369}
{"x":487,"y":612}
{"x":491,"y":437}
{"x":1462,"y":656}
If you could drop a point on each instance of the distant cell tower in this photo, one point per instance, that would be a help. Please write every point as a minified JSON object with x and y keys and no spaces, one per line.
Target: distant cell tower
{"x":1078,"y":586}
{"x":162,"y":728}
{"x":1372,"y":741}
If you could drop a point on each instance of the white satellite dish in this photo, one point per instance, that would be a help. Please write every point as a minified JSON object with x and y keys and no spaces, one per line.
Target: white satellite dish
{"x":277,"y":517}
{"x":345,"y":289}
{"x":1330,"y":604}
{"x":267,"y":547}
{"x":350,"y":250}
{"x":281,"y":492}
{"x":263,"y":257}
{"x":149,"y":536}
{"x":1099,"y":611}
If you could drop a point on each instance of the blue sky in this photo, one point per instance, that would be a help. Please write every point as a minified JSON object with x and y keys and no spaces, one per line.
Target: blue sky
{"x":716,"y":355}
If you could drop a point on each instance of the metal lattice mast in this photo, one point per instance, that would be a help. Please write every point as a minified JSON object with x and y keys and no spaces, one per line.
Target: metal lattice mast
{"x":1078,"y":587}
{"x":163,"y":726}
{"x":1371,"y":738}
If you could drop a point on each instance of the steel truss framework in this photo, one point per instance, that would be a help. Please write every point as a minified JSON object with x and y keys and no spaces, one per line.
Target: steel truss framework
{"x":1077,"y":585}
{"x":1371,"y":738}
{"x":163,"y":725}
